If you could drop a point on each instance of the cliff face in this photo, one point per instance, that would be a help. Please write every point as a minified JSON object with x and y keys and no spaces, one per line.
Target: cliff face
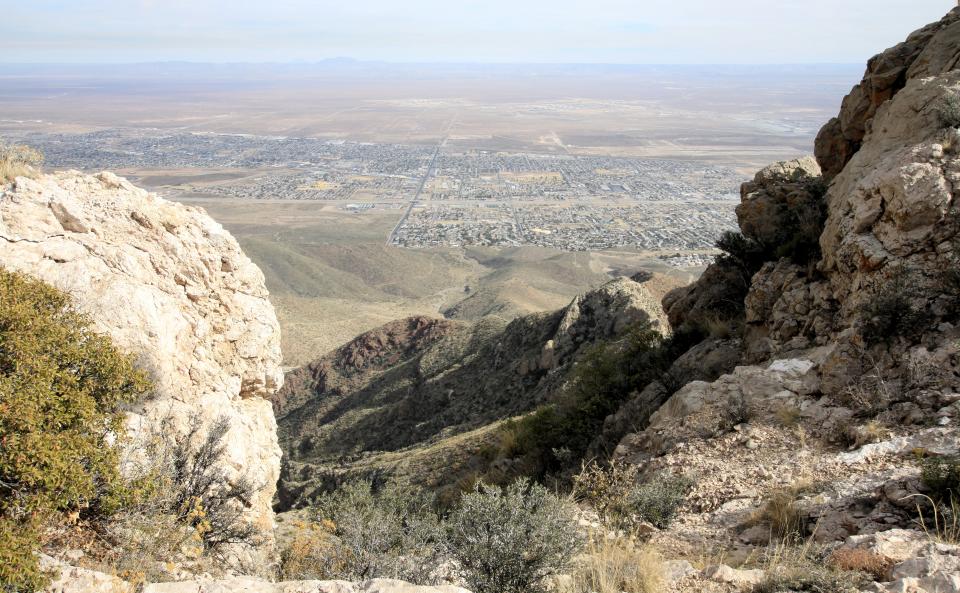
{"x":850,"y":357}
{"x":170,"y":286}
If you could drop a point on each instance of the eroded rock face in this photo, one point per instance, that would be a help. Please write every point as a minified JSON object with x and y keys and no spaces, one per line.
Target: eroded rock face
{"x":170,"y":286}
{"x":774,"y":203}
{"x":930,"y":51}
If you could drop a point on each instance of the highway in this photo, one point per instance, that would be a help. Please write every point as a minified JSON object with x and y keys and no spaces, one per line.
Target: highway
{"x":416,"y":197}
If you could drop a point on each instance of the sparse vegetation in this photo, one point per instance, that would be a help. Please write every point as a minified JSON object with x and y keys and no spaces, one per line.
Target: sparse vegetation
{"x":891,"y":310}
{"x":948,"y":110}
{"x":657,"y":500}
{"x":391,"y":532}
{"x":623,"y":500}
{"x":941,"y":477}
{"x":17,"y":160}
{"x":782,"y":514}
{"x":507,"y":540}
{"x":788,"y":415}
{"x":602,"y":381}
{"x":801,"y":569}
{"x":311,"y":553}
{"x":203,"y":495}
{"x":61,"y":391}
{"x":606,"y":488}
{"x":618,"y":566}
{"x":809,"y":577}
{"x":868,"y":562}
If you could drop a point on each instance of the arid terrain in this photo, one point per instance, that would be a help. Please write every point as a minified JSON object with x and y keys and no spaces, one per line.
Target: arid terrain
{"x":514,"y":188}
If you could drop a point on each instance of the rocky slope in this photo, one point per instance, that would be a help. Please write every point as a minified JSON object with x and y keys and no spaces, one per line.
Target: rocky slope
{"x":850,"y":360}
{"x":415,"y":382}
{"x":171,"y":286}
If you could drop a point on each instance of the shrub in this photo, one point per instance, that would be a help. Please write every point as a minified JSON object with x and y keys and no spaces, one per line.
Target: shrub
{"x":61,"y":388}
{"x":18,"y":160}
{"x":618,"y":566}
{"x":809,"y":577}
{"x":788,"y":415}
{"x":941,"y":477}
{"x":871,"y":563}
{"x":602,"y":381}
{"x":782,"y":513}
{"x":607,"y":488}
{"x":890,"y":310}
{"x":657,"y":500}
{"x":311,"y":554}
{"x":203,"y":495}
{"x":948,"y":110}
{"x":743,"y":254}
{"x":390,"y":533}
{"x":507,"y":540}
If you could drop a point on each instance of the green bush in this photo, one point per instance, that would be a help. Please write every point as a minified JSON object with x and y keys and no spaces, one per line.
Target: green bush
{"x":741,"y":252}
{"x":941,"y":477}
{"x":657,"y":500}
{"x":891,"y":311}
{"x":61,"y":388}
{"x":602,"y":381}
{"x":392,"y":532}
{"x":507,"y":540}
{"x":948,"y":110}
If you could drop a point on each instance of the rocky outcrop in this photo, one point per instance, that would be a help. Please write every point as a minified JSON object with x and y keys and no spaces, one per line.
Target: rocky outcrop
{"x":850,"y":362}
{"x":779,"y":199}
{"x":71,"y":579}
{"x":931,"y":51}
{"x":170,"y":286}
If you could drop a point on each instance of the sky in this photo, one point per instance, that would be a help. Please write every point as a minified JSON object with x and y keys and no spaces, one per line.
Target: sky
{"x":517,"y":31}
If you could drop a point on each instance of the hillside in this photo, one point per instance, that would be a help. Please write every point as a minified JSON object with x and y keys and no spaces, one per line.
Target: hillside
{"x":416,"y":382}
{"x":807,"y":439}
{"x":332,"y":278}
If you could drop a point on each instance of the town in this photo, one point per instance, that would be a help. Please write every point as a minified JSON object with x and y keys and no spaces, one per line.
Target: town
{"x":443,"y":196}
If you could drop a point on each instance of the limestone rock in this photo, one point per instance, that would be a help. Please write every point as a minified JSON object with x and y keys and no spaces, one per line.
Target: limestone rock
{"x":771,"y":203}
{"x":607,"y":311}
{"x":71,"y":579}
{"x":173,"y":288}
{"x":725,"y":574}
{"x":928,"y":52}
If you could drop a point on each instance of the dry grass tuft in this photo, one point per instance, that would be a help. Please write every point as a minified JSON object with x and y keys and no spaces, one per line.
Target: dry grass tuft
{"x":619,"y":566}
{"x":18,"y":161}
{"x":876,"y":565}
{"x":790,"y":569}
{"x":782,"y":513}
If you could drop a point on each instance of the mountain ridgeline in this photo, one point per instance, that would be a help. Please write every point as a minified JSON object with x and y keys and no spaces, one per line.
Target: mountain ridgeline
{"x":415,"y":383}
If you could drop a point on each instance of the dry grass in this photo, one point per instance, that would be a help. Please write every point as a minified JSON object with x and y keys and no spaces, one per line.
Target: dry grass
{"x":791,"y":568}
{"x":942,"y":524}
{"x":788,"y":415}
{"x":876,"y":565}
{"x":310,"y":553}
{"x":10,"y":171}
{"x":718,"y":327}
{"x":782,"y":513}
{"x":18,"y":161}
{"x":618,"y":566}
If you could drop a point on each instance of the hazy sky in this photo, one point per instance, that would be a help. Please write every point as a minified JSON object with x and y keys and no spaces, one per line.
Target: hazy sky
{"x":609,"y":31}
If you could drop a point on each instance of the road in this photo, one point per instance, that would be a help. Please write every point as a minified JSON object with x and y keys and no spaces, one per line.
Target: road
{"x":416,"y":196}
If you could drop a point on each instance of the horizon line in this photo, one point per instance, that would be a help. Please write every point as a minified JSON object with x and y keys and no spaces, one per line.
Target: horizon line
{"x":358,"y":62}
